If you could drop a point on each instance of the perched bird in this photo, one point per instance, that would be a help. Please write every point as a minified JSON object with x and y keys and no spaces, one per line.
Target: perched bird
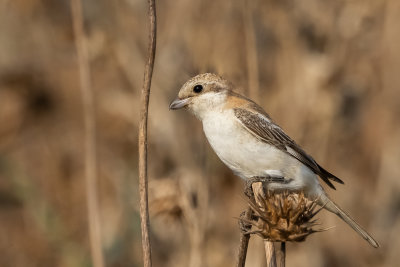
{"x":253,"y":146}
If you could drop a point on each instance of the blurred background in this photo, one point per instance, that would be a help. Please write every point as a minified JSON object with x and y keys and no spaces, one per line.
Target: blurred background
{"x":326,"y":71}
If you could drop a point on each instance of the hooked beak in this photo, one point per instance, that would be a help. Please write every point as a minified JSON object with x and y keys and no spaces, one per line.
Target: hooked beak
{"x":179,"y":103}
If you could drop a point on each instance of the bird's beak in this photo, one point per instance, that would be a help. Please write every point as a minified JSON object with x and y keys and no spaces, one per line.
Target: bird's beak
{"x":179,"y":103}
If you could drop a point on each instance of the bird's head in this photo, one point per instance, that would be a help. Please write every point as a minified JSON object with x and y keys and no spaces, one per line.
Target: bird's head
{"x":202,"y":93}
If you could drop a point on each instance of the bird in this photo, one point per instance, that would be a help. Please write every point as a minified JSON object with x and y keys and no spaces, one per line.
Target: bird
{"x":252,"y":145}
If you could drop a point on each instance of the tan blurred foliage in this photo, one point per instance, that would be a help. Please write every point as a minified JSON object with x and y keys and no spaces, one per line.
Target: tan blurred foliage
{"x":327,"y":71}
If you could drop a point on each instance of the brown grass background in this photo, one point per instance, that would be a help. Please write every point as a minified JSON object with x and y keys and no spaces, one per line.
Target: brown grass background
{"x":327,"y":71}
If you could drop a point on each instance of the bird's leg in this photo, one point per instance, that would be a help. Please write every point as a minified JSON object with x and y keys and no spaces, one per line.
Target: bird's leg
{"x":255,"y":179}
{"x":264,"y":180}
{"x":245,"y":219}
{"x":244,"y":226}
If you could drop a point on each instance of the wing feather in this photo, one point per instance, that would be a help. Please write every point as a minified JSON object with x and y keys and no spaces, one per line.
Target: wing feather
{"x":261,"y":125}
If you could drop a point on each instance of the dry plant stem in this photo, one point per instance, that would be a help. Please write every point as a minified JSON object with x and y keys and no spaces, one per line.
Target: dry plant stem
{"x":270,"y":255}
{"x":251,"y":50}
{"x":244,"y":242}
{"x":144,"y":106}
{"x":195,"y":215}
{"x":282,"y":255}
{"x":90,"y":135}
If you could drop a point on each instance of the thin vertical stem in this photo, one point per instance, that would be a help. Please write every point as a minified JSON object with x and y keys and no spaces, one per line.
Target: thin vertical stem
{"x":144,"y":106}
{"x":244,"y":242}
{"x":251,"y":50}
{"x":282,"y":254}
{"x":90,"y":135}
{"x":270,"y":253}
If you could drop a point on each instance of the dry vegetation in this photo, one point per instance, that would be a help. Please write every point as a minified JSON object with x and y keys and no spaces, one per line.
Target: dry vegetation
{"x":328,"y":72}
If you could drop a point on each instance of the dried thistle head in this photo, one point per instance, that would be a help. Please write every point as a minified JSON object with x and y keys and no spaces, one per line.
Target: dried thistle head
{"x":283,"y":216}
{"x":164,"y":199}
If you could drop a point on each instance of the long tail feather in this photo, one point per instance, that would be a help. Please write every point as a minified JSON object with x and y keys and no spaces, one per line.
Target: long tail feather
{"x":332,"y":207}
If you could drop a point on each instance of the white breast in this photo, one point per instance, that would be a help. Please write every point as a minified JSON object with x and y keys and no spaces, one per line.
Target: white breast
{"x":247,"y":156}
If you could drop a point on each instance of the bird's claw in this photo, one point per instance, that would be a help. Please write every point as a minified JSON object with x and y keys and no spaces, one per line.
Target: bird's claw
{"x":264,"y":180}
{"x":244,"y":223}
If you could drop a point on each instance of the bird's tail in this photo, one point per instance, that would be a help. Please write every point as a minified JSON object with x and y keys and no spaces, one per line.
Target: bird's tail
{"x":328,"y":204}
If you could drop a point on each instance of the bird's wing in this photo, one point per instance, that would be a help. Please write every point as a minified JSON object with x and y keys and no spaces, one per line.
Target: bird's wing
{"x":257,"y":122}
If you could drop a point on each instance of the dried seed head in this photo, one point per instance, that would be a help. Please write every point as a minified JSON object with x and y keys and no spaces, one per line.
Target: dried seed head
{"x":283,"y":216}
{"x":164,"y":199}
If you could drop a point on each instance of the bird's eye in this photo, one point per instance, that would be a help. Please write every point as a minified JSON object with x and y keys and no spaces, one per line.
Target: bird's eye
{"x":197,"y":88}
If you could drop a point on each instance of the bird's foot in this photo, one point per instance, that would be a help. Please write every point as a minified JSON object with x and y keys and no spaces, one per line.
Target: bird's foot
{"x":245,"y":222}
{"x":264,"y":180}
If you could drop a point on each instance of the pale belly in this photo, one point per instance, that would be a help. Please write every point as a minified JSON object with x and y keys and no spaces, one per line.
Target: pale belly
{"x":248,"y":156}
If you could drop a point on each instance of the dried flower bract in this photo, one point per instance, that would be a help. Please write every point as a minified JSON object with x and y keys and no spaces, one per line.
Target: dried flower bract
{"x":283,"y":216}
